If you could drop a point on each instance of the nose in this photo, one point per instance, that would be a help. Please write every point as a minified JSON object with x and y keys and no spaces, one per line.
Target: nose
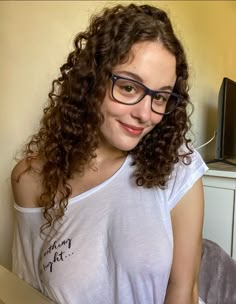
{"x":142,"y":110}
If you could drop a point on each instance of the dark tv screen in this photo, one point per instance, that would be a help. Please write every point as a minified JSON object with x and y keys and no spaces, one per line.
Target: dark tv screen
{"x":226,"y":121}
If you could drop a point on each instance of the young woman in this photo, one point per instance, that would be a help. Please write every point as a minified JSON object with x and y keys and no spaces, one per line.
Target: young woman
{"x":108,"y":199}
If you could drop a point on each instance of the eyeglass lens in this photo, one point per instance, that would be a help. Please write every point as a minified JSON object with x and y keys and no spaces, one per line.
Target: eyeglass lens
{"x":130,"y":92}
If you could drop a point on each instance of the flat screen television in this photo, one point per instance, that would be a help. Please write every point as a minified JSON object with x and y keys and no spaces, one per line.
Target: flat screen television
{"x":225,"y":149}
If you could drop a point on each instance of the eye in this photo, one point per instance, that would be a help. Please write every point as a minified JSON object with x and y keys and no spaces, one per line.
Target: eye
{"x":161,"y":98}
{"x":125,"y":87}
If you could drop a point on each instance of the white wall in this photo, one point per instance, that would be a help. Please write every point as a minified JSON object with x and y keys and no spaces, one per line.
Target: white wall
{"x":36,"y":37}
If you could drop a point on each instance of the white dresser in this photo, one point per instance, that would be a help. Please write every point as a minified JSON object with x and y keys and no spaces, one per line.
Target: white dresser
{"x":220,"y":212}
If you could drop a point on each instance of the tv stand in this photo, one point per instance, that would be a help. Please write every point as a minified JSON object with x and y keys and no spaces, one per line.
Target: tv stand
{"x":224,"y":161}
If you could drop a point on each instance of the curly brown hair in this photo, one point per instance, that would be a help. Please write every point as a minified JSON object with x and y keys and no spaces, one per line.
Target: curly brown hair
{"x":68,"y":136}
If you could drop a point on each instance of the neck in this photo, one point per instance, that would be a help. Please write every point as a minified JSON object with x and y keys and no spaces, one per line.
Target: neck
{"x":109,"y":153}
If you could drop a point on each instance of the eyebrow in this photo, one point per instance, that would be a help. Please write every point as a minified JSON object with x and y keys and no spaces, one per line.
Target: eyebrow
{"x":139,"y":79}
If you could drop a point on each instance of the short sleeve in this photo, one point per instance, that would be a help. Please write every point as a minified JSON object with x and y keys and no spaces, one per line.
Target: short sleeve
{"x":26,"y":245}
{"x":183,"y":177}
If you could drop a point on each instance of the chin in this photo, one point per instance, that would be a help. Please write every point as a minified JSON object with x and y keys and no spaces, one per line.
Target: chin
{"x":126,"y":148}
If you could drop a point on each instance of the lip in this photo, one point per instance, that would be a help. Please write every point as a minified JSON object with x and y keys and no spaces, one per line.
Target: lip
{"x":133,"y":130}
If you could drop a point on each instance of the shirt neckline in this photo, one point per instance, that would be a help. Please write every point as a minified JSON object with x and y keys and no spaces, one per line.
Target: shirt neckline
{"x":93,"y":190}
{"x":81,"y":196}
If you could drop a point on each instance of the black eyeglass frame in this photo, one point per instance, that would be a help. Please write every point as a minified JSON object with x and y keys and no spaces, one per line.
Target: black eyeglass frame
{"x":147,"y":91}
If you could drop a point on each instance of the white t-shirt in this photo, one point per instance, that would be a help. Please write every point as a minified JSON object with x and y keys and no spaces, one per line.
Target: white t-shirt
{"x":114,"y":244}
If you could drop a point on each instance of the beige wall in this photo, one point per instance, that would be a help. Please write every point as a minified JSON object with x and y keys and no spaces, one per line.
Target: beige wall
{"x":35,"y":39}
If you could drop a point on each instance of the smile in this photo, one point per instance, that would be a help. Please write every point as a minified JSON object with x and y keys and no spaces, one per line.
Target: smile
{"x":132,"y":129}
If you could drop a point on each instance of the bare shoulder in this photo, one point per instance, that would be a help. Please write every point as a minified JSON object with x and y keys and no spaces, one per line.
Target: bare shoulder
{"x":27,"y":183}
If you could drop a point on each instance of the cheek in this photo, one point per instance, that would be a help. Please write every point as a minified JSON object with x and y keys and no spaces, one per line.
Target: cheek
{"x":111,"y":108}
{"x":156,"y":118}
{"x":155,"y":121}
{"x":107,"y":106}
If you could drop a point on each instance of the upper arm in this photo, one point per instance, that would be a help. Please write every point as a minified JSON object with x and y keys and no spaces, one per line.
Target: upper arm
{"x":187,"y":221}
{"x":26,"y":185}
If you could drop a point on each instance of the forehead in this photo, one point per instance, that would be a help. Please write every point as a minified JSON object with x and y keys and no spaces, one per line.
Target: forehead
{"x":152,"y":62}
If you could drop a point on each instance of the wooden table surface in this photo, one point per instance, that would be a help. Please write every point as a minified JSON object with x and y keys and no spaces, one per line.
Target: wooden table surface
{"x":13,"y":290}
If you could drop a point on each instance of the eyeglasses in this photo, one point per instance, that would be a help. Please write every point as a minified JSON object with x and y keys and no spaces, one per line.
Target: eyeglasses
{"x":128,"y":91}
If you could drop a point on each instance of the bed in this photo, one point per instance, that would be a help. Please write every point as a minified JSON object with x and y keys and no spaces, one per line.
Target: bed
{"x":217,"y":280}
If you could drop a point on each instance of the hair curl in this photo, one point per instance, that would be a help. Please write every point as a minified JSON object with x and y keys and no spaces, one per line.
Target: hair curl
{"x":68,"y":135}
